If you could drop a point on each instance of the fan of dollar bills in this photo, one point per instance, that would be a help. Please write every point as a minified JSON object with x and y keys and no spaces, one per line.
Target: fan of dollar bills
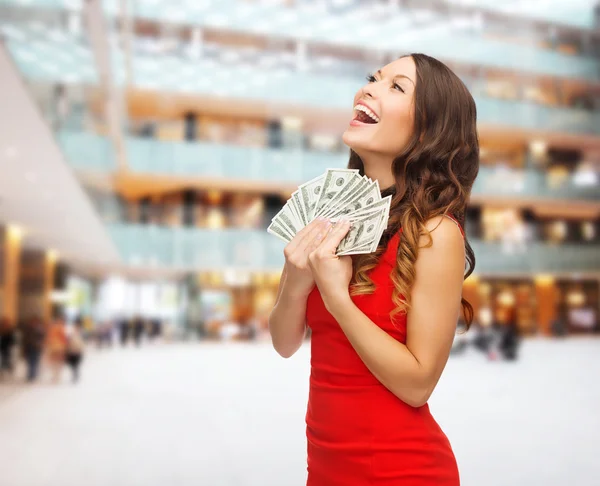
{"x":338,"y":193}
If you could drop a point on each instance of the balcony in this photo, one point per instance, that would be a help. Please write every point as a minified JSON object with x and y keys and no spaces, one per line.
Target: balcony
{"x":192,"y":248}
{"x":202,"y":249}
{"x":537,"y":257}
{"x":89,"y":152}
{"x":331,"y":91}
{"x":45,"y":54}
{"x":456,"y":38}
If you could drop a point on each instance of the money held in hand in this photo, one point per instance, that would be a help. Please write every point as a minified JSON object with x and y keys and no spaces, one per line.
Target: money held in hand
{"x":336,"y":194}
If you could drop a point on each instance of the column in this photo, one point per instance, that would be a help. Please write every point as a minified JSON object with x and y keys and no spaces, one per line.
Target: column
{"x":547,"y":298}
{"x":36,"y":284}
{"x":10,"y":264}
{"x":50,"y":259}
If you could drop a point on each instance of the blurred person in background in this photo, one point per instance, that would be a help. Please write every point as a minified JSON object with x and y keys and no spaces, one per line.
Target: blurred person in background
{"x":87,"y":326}
{"x":138,"y":330}
{"x":7,"y":342}
{"x":104,"y":334}
{"x":74,"y":351}
{"x":56,"y":348}
{"x":509,"y":339}
{"x":33,"y":335}
{"x":61,"y":106}
{"x":559,"y":327}
{"x":124,"y":329}
{"x":156,"y":327}
{"x":383,"y":324}
{"x":484,"y":334}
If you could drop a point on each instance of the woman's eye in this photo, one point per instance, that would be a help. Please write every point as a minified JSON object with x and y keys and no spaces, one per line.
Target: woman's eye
{"x":397,"y":86}
{"x":371,"y":78}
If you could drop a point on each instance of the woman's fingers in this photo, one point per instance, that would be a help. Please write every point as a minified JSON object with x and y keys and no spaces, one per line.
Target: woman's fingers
{"x":333,"y":239}
{"x":299,"y":237}
{"x":317,"y":235}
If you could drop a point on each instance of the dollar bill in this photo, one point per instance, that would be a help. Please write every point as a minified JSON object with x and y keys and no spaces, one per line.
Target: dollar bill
{"x":359,"y":212}
{"x":310,"y":193}
{"x":355,"y":186}
{"x":362,"y":232}
{"x":283,"y":226}
{"x":286,"y":219}
{"x":369,"y":196}
{"x":300,"y":209}
{"x":355,"y":251}
{"x":334,"y":183}
{"x":385,"y":214}
{"x":293,"y":212}
{"x":339,"y":193}
{"x":382,"y":228}
{"x":276,"y":230}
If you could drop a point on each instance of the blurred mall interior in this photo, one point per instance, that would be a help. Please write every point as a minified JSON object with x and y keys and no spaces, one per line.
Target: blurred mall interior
{"x":146,"y":145}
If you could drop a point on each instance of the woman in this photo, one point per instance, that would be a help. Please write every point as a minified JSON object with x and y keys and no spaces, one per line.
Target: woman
{"x":56,"y":346}
{"x":382,"y":325}
{"x":75,"y":348}
{"x":33,"y":338}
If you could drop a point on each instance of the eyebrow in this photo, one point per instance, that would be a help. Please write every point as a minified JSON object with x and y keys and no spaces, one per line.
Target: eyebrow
{"x":397,"y":76}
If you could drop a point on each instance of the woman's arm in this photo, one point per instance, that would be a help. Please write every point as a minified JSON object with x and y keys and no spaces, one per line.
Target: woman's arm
{"x":287,"y":321}
{"x":412,"y":371}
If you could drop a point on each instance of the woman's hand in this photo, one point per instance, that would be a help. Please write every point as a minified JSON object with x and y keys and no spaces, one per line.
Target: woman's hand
{"x":299,"y":278}
{"x":332,"y":274}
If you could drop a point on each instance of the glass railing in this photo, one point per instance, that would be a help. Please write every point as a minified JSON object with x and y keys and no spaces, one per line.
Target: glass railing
{"x":204,"y":159}
{"x":193,"y":248}
{"x":53,"y":57}
{"x":533,"y":116}
{"x":88,"y":151}
{"x":290,"y":167}
{"x":446,"y":41}
{"x":576,"y":13}
{"x":335,"y":92}
{"x":443,"y":39}
{"x":46,"y":53}
{"x":534,"y":184}
{"x":536,"y":257}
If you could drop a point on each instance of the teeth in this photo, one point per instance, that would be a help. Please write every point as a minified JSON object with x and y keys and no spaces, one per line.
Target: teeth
{"x":364,"y":109}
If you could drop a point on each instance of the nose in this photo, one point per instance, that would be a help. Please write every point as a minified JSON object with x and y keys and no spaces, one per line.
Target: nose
{"x":368,"y":90}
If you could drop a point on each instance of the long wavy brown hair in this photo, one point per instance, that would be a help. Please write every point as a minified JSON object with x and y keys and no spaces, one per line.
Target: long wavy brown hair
{"x":434,"y":176}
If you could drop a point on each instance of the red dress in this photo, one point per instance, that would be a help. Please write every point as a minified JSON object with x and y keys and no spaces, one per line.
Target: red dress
{"x":358,"y":432}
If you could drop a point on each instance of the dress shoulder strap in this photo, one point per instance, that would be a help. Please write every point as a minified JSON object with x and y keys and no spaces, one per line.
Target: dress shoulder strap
{"x":457,"y":224}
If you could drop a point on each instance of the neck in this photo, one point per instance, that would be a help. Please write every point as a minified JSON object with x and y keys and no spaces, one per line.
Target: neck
{"x":379,"y":168}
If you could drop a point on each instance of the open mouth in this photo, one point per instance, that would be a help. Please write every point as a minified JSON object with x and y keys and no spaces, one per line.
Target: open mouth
{"x":365,"y":115}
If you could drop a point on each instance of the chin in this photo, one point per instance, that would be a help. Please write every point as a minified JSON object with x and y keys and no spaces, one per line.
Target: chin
{"x":355,"y":143}
{"x":352,"y":140}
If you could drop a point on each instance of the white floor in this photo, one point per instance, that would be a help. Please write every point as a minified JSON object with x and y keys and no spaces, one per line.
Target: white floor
{"x":233,"y":414}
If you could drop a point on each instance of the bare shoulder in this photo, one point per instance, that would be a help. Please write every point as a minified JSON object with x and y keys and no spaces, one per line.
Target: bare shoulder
{"x":445,"y":236}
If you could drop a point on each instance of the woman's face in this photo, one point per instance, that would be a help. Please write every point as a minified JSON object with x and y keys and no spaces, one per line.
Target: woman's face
{"x":388,"y":98}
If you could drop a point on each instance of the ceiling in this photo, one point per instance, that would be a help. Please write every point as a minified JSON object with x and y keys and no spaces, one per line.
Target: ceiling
{"x":38,"y":190}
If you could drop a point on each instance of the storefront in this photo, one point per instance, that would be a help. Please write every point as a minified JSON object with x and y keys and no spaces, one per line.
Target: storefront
{"x":236,"y":304}
{"x":578,"y":306}
{"x":540,"y":305}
